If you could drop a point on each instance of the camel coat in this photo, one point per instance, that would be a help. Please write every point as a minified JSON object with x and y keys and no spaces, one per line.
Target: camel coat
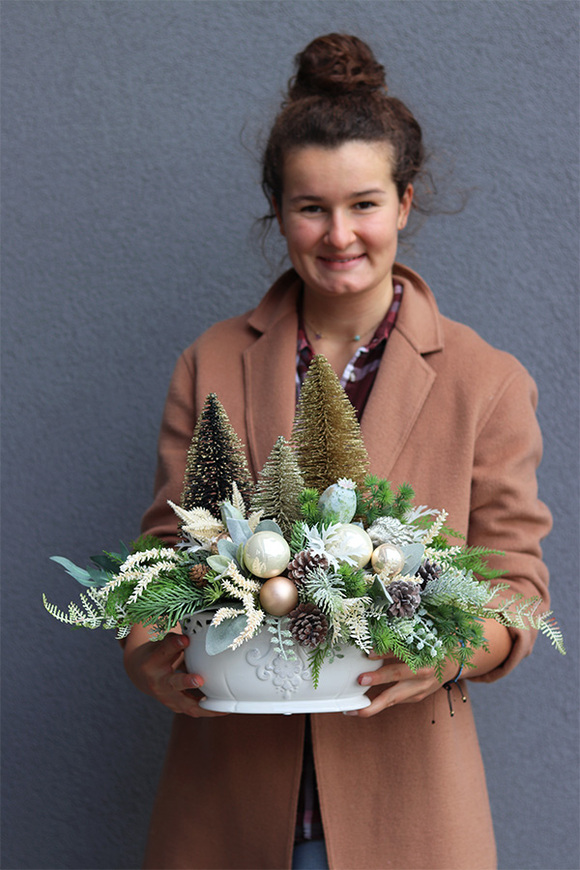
{"x":455,"y":418}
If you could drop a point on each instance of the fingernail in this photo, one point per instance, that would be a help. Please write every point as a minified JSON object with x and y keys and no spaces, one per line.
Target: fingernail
{"x":180,"y":640}
{"x":365,"y":681}
{"x":193,"y":682}
{"x":350,"y":712}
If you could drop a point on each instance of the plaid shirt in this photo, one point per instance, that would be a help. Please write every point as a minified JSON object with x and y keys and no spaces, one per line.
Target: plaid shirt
{"x":359,"y":374}
{"x":357,"y":381}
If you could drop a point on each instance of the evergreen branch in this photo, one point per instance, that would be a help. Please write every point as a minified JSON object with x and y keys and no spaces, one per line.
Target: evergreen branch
{"x":297,"y":538}
{"x":325,"y":589}
{"x":166,"y":602}
{"x":403,"y":501}
{"x":309,"y":506}
{"x":474,"y":559}
{"x":354,"y":580}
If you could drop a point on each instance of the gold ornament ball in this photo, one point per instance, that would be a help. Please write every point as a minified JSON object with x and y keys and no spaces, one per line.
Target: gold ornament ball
{"x":266,"y":554}
{"x":278,"y":596}
{"x":388,"y":559}
{"x":349,"y":542}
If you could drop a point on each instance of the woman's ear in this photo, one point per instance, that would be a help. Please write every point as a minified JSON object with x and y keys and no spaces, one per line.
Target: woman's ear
{"x":405,"y":207}
{"x":278,"y":214}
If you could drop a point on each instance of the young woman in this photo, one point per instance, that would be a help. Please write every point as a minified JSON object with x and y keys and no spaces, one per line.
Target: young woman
{"x":438,"y":407}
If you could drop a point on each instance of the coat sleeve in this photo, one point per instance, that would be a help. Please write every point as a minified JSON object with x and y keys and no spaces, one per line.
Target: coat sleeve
{"x":506,"y":513}
{"x":177,"y":425}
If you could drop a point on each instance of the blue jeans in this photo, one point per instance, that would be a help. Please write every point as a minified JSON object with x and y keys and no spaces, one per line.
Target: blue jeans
{"x":310,"y":855}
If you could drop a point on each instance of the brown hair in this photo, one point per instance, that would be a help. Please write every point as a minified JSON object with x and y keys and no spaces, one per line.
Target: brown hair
{"x":339,"y":94}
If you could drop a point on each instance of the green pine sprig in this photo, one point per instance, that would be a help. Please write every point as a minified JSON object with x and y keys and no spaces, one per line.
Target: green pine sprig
{"x":297,"y":538}
{"x":309,"y":506}
{"x":167,"y":600}
{"x":376,"y":499}
{"x":355,"y":585}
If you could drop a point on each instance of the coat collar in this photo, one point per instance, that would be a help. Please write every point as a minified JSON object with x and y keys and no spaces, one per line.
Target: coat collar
{"x":402,"y":385}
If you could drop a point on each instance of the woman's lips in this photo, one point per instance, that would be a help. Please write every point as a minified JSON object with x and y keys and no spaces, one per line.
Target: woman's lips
{"x":341,"y":262}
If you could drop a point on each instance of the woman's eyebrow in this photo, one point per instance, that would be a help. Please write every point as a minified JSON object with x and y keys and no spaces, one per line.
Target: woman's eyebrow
{"x":312,"y":198}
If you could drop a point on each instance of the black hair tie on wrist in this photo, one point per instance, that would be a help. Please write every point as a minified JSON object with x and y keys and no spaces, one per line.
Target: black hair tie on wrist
{"x":454,"y":682}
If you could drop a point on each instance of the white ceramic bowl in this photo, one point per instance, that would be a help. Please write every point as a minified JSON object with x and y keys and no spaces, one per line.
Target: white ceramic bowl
{"x":254,"y":678}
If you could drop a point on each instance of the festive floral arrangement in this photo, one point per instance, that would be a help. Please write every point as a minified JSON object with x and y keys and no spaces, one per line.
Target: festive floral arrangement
{"x":319,"y":552}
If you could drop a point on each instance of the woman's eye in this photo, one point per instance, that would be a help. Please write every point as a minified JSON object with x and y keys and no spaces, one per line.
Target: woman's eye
{"x":311,"y":209}
{"x":365,"y":204}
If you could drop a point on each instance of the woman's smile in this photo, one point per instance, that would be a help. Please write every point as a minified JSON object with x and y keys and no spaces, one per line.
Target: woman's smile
{"x":341,"y":262}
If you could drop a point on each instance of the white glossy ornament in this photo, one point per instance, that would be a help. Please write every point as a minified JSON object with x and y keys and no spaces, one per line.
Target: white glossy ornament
{"x":266,"y":554}
{"x":278,"y":596}
{"x":388,"y":559}
{"x":350,"y":543}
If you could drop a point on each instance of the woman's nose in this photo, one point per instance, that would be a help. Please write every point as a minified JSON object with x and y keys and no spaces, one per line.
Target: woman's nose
{"x":339,"y":233}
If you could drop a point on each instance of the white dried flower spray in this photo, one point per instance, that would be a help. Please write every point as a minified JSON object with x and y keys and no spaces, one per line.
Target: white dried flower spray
{"x":244,"y":589}
{"x":435,"y":528}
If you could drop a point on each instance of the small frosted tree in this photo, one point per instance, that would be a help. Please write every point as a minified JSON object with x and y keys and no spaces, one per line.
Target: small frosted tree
{"x":326,"y":435}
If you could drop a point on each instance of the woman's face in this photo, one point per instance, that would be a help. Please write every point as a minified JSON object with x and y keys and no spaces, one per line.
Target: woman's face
{"x":341,"y":215}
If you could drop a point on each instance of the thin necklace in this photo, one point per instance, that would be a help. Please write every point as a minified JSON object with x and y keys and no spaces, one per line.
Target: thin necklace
{"x":318,"y":335}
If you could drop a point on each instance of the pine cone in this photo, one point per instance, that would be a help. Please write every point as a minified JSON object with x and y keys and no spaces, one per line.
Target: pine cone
{"x":428,"y":571}
{"x":308,"y":625}
{"x":304,"y":561}
{"x":197,"y":574}
{"x":406,"y":597}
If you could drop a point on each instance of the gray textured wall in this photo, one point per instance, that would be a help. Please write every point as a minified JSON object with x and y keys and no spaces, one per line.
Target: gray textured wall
{"x":129,"y":189}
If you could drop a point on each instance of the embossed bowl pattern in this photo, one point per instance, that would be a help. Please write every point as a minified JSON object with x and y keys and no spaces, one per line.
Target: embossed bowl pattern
{"x":255,"y":678}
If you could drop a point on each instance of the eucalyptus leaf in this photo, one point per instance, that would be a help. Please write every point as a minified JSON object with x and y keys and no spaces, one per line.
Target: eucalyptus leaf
{"x":378,"y":592}
{"x":413,"y":554}
{"x":239,"y":530}
{"x":98,"y":575}
{"x":79,"y":574}
{"x":106,"y":563}
{"x":125,"y":551}
{"x":228,"y":549}
{"x":269,"y":526}
{"x":220,"y":637}
{"x":229,"y":512}
{"x":218,"y":563}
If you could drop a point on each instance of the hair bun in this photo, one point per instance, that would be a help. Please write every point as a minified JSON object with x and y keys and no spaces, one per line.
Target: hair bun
{"x":336,"y":64}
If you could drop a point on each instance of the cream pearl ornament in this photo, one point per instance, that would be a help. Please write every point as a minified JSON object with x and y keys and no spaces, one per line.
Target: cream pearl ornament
{"x":278,"y":596}
{"x":266,"y":554}
{"x":350,"y":543}
{"x":388,"y":559}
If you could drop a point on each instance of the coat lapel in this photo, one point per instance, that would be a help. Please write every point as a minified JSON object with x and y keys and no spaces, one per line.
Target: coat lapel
{"x":270,"y":370}
{"x":404,"y":378}
{"x":402,"y":385}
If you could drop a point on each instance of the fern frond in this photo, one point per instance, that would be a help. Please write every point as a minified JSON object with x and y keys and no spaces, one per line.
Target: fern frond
{"x":281,"y":639}
{"x":86,"y":614}
{"x":551,"y":629}
{"x":520,"y":612}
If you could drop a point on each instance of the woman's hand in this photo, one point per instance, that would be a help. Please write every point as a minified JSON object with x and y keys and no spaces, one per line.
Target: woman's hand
{"x":403,"y":686}
{"x":154,"y":667}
